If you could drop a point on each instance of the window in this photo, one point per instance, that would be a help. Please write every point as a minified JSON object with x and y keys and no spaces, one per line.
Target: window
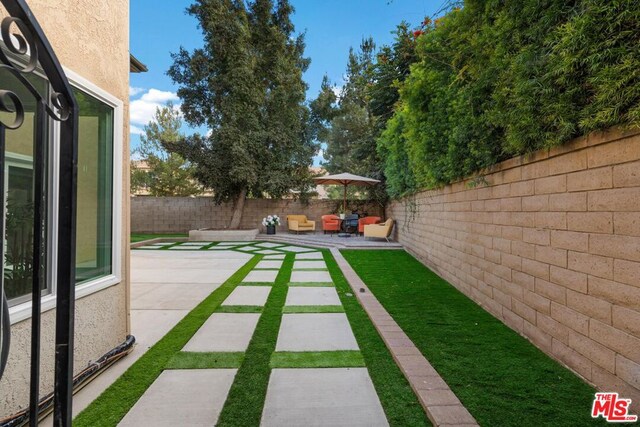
{"x":95,"y":189}
{"x":95,"y":194}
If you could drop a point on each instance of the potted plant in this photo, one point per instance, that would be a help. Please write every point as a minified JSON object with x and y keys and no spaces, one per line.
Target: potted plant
{"x":341,"y":213}
{"x":270,"y":223}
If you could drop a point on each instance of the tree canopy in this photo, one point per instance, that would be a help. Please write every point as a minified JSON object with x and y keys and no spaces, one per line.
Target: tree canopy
{"x":245,"y":86}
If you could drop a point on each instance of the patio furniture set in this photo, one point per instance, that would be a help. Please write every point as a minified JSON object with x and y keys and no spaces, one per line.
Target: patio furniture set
{"x":368,"y":226}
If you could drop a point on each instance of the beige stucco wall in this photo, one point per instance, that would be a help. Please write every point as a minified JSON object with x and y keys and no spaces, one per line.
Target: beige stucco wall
{"x":550,"y":245}
{"x":91,"y":38}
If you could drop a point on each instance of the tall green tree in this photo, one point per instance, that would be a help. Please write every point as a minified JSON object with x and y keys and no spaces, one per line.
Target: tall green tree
{"x":165,"y":174}
{"x":347,"y":125}
{"x":245,"y":85}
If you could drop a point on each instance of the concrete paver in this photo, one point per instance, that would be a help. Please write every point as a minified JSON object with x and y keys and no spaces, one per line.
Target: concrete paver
{"x":265,"y":276}
{"x":295,"y":249}
{"x":224,"y":332}
{"x":248,"y":295}
{"x":310,"y":276}
{"x":268,"y":264}
{"x":192,"y":397}
{"x":309,"y":255}
{"x":315,"y":332}
{"x":312,"y":296}
{"x":309,"y":264}
{"x":322,"y":397}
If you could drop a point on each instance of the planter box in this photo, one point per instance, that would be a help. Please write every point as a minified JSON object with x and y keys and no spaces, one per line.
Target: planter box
{"x":222,"y":235}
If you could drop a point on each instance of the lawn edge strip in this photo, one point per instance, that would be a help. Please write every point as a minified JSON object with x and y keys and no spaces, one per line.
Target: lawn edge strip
{"x":313,"y":284}
{"x":293,"y":309}
{"x":239,"y":309}
{"x":317,"y":359}
{"x":501,"y":377}
{"x":114,"y":403}
{"x":205,"y":360}
{"x":245,"y":401}
{"x":399,"y":402}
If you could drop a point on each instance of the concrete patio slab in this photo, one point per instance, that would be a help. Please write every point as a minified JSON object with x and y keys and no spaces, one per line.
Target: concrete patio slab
{"x":322,"y":397}
{"x":149,"y":247}
{"x":295,"y":249}
{"x":297,"y":265}
{"x":230,"y":243}
{"x":224,"y":332}
{"x":315,"y":332}
{"x":312,"y":296}
{"x":281,"y":256}
{"x":164,"y":296}
{"x":246,"y":249}
{"x":269,"y":245}
{"x":310,"y":276}
{"x":248,"y":295}
{"x":268,"y":264}
{"x":265,"y":276}
{"x":192,"y":397}
{"x":310,"y":255}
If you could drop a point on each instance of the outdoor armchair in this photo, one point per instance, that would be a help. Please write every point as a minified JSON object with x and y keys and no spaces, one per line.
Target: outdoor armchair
{"x":300,"y":223}
{"x":330,"y":223}
{"x":382,"y":231}
{"x":366,"y":221}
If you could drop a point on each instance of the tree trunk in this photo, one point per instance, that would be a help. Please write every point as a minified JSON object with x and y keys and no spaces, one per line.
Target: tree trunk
{"x":237,"y":210}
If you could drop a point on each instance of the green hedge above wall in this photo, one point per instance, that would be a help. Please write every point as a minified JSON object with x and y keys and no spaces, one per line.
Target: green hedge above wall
{"x":495,"y":79}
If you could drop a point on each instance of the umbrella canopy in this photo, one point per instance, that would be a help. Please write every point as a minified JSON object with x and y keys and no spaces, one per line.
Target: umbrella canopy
{"x":346,"y":179}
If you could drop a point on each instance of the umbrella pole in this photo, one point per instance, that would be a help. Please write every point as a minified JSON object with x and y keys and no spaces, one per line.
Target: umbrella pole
{"x":344,"y":203}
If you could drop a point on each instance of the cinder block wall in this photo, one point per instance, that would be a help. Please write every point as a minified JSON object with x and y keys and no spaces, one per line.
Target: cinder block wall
{"x":181,"y":214}
{"x":550,"y":245}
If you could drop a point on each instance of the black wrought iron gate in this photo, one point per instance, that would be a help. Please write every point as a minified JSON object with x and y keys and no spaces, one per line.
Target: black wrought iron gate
{"x":26,"y":50}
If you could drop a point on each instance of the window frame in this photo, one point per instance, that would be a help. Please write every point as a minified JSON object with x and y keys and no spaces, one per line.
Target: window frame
{"x":22,"y":311}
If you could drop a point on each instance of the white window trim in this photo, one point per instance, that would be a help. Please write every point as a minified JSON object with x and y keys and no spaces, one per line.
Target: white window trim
{"x":22,"y":311}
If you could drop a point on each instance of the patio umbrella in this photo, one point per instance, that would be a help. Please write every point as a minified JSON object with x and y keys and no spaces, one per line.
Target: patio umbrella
{"x":346,"y":179}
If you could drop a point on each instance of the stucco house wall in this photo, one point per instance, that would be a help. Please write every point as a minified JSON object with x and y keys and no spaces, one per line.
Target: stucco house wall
{"x":90,"y":38}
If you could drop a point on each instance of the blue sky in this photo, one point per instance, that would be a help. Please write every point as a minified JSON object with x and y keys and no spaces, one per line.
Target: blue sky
{"x":331,"y":26}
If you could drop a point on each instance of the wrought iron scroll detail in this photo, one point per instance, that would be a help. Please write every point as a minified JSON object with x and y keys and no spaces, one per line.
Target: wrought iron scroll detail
{"x":25,"y":51}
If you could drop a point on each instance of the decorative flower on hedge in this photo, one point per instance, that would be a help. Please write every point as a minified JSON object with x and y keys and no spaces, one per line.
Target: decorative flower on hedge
{"x":271,"y":220}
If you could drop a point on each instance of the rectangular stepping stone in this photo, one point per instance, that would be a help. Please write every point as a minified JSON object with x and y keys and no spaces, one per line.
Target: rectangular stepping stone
{"x":310,"y":276}
{"x":196,"y":243}
{"x":224,"y":332}
{"x":310,"y":255}
{"x":160,"y":244}
{"x":248,"y":295}
{"x":183,"y":397}
{"x":312,"y":296}
{"x":281,"y":256}
{"x":269,"y":245}
{"x":297,"y":265}
{"x":269,"y":264}
{"x":315,"y":332}
{"x":322,"y":396}
{"x":295,"y":249}
{"x":246,"y":248}
{"x":267,"y":252}
{"x":266,"y":276}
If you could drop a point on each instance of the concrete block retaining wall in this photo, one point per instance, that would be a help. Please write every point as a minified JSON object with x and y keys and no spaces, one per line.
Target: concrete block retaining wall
{"x":181,"y":214}
{"x":550,"y":245}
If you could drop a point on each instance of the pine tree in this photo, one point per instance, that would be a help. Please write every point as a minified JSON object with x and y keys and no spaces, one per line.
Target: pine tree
{"x":167,"y":174}
{"x":245,"y":85}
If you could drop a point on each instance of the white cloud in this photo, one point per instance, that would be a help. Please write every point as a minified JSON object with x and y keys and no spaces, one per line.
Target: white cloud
{"x":133,"y":91}
{"x":141,"y":110}
{"x":135,"y":130}
{"x":337,"y":90}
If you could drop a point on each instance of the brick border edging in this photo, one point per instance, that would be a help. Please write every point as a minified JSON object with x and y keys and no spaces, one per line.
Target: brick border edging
{"x":441,"y":405}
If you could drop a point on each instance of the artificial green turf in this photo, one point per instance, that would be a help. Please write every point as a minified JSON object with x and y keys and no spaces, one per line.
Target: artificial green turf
{"x":309,"y":269}
{"x":317,"y":359}
{"x":245,"y":400}
{"x":113,"y":404}
{"x":312,"y":309}
{"x":500,"y":377}
{"x":312,"y":284}
{"x":400,"y":404}
{"x":197,"y":360}
{"x":136,"y":237}
{"x":239,"y":309}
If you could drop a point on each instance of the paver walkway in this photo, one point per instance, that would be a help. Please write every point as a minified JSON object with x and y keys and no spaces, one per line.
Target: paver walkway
{"x":313,"y":323}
